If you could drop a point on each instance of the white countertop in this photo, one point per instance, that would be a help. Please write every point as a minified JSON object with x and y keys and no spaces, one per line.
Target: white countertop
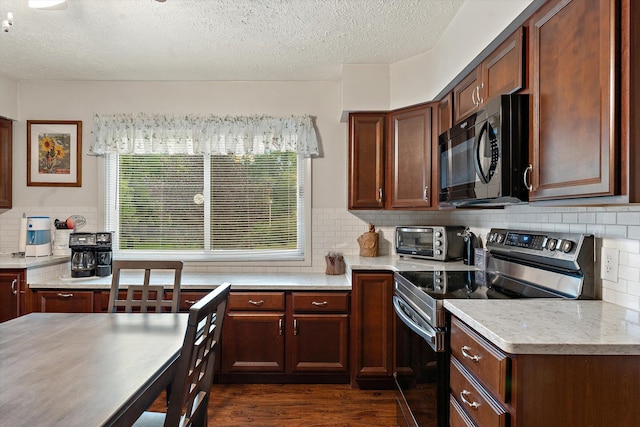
{"x":195,"y":281}
{"x":396,"y":263}
{"x":8,"y":261}
{"x":552,"y":326}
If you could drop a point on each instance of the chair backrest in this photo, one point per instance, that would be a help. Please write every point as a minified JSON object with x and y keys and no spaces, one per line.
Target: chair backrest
{"x":142,"y":295}
{"x":194,"y":373}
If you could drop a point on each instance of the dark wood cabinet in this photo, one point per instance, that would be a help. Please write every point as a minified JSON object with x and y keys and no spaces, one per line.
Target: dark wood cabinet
{"x":532,"y":390}
{"x":391,"y":163}
{"x":278,"y":336}
{"x":367,"y":160}
{"x":64,"y":301}
{"x":501,"y":72}
{"x":12,"y":294}
{"x":372,"y":320}
{"x":319,"y":336}
{"x":253,"y":332}
{"x":445,"y":114}
{"x":411,"y":163}
{"x":6,"y":163}
{"x":573,"y":79}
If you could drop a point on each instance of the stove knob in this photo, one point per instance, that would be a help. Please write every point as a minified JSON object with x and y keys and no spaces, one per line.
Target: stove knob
{"x":552,"y":244}
{"x":438,"y":243}
{"x":438,"y":234}
{"x":500,"y":238}
{"x":438,"y":252}
{"x":566,"y":246}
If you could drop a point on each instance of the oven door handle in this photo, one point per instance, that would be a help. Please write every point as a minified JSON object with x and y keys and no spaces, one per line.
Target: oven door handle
{"x":423,"y":330}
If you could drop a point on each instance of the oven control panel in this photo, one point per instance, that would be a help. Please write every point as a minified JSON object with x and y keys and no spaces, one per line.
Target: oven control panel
{"x":540,"y":244}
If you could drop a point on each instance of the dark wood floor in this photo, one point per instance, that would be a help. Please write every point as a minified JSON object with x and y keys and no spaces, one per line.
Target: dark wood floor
{"x":298,"y":405}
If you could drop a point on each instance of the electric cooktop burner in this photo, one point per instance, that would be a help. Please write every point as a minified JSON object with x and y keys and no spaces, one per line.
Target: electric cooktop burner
{"x":475,"y":284}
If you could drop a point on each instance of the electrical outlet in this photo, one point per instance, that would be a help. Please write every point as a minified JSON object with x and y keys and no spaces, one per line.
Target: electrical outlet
{"x":609,"y":264}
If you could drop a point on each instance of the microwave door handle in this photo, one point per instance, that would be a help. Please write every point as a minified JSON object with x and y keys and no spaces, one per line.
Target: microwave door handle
{"x":476,"y":155}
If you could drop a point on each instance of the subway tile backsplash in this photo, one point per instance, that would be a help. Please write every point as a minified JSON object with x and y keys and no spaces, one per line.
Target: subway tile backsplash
{"x":337,"y":230}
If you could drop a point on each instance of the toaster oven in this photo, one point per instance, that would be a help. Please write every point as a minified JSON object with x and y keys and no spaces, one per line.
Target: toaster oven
{"x":439,"y":242}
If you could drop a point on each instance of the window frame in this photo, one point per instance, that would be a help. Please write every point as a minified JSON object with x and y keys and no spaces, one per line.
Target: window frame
{"x":241,"y":258}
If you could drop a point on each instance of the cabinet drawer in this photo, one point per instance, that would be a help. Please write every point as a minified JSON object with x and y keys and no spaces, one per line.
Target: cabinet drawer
{"x":65,"y":301}
{"x":484,"y":410}
{"x":320,"y":302}
{"x":256,"y":301}
{"x":457,"y":416}
{"x":188,"y":298}
{"x":482,"y":359}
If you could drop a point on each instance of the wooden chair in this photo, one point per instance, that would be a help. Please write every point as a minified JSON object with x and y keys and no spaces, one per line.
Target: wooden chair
{"x":146,"y":302}
{"x":194,"y":373}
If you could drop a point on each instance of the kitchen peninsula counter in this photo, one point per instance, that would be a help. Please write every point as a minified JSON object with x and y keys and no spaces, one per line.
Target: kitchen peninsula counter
{"x":557,"y":326}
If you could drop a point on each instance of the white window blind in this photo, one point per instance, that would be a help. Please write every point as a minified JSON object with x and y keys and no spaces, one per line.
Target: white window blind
{"x":214,"y":207}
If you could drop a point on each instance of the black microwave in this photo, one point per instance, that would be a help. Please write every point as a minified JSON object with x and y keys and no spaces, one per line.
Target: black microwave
{"x":483,"y":159}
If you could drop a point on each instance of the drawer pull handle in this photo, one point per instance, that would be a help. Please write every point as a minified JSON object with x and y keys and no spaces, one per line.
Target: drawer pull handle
{"x":256,"y":303}
{"x":473,"y":405}
{"x":65,"y":296}
{"x":319,"y":304}
{"x":190,"y":301}
{"x":465,"y":349}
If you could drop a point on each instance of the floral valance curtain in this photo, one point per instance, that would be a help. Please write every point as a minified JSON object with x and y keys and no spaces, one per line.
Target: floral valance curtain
{"x":194,"y":134}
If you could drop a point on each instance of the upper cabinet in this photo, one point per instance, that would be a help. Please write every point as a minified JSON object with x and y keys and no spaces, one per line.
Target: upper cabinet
{"x":5,"y":163}
{"x":500,"y":73}
{"x":573,"y":73}
{"x":366,"y":160}
{"x":391,"y":158}
{"x":412,"y":141}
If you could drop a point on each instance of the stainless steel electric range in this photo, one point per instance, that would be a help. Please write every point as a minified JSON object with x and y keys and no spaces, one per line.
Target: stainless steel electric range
{"x":522,"y":264}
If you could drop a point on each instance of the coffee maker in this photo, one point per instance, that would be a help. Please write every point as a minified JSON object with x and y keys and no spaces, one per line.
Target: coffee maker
{"x":103,"y":254}
{"x":91,"y":254}
{"x":83,"y":254}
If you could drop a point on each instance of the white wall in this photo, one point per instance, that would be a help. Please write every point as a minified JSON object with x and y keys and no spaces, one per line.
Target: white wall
{"x":475,"y":26}
{"x":8,"y":98}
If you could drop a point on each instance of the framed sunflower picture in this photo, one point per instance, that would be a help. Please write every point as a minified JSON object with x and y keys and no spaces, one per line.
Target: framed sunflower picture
{"x":54,"y":150}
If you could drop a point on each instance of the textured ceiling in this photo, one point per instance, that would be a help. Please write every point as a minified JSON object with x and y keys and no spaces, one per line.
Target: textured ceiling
{"x":215,"y":39}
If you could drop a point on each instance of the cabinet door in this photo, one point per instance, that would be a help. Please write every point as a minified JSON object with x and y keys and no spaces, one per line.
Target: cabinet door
{"x":410,"y":158}
{"x":502,"y":71}
{"x":445,"y":115}
{"x":253,"y":342}
{"x":366,"y":161}
{"x":372,"y":327}
{"x":465,"y":96}
{"x":319,"y":343}
{"x":65,"y":301}
{"x":11,"y":294}
{"x":572,"y":72}
{"x":5,"y":163}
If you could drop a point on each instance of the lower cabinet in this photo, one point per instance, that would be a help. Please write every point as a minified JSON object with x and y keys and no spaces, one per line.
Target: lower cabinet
{"x":64,"y":301}
{"x":372,"y":320}
{"x":282,"y":336}
{"x":491,"y":388}
{"x":12,"y":294}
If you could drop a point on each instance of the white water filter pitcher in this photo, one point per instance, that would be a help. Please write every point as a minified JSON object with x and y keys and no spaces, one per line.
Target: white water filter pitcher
{"x":38,"y":236}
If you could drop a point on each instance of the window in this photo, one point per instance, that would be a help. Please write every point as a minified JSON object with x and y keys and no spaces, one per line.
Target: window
{"x":208,"y":207}
{"x":206,"y":187}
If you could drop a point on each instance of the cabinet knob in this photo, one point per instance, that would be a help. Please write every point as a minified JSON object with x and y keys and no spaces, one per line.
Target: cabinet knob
{"x":465,"y":393}
{"x":465,"y":353}
{"x":527,"y":182}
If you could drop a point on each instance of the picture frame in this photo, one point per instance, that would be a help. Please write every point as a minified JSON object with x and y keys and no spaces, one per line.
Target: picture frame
{"x":54,"y":153}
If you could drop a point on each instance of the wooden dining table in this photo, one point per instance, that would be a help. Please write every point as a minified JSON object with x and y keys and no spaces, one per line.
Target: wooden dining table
{"x":85,"y":369}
